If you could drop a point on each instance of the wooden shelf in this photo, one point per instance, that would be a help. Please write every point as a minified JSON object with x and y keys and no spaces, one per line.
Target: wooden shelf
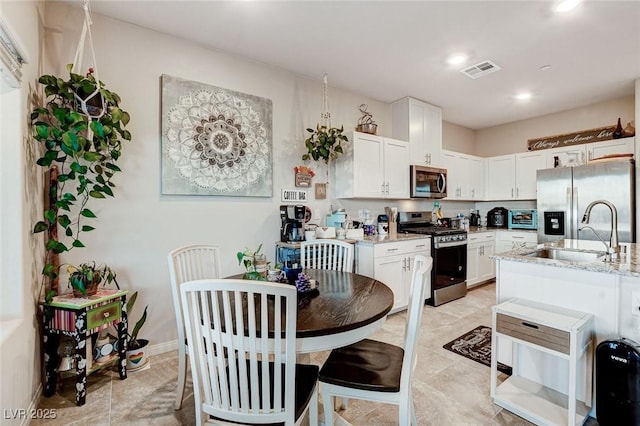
{"x":529,"y":399}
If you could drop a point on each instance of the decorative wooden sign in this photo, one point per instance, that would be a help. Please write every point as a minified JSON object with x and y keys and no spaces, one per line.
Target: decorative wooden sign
{"x":303,"y":179}
{"x":577,"y":138}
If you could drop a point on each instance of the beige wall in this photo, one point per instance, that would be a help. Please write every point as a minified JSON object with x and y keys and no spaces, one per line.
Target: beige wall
{"x":512,"y":138}
{"x":458,"y":138}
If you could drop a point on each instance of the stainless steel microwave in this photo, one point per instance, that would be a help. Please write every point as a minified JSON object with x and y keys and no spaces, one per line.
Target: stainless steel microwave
{"x":428,"y":182}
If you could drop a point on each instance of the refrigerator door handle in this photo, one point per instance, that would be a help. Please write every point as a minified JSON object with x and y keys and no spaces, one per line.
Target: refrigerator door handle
{"x":576,"y":219}
{"x":568,"y":220}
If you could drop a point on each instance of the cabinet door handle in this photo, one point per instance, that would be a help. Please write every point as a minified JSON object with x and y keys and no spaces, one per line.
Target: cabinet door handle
{"x":473,"y":193}
{"x":420,"y":245}
{"x":404,"y":264}
{"x":387,"y":188}
{"x":382,"y":188}
{"x":511,"y":192}
{"x":408,"y":264}
{"x":392,"y":249}
{"x":518,"y":192}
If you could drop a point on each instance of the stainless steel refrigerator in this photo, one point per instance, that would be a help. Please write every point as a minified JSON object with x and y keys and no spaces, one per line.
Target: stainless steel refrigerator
{"x":565,"y":192}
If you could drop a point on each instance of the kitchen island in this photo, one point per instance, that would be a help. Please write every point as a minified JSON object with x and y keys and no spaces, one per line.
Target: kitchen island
{"x":571,"y":274}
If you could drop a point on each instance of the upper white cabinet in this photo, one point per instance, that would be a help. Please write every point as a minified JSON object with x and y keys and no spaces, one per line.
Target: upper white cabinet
{"x":419,"y":123}
{"x":513,"y":177}
{"x":527,"y":165}
{"x":465,"y":176}
{"x":578,"y":155}
{"x":373,"y":167}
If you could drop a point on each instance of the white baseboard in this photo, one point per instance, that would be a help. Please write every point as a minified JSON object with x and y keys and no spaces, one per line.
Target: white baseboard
{"x":33,"y":405}
{"x":161,"y":348}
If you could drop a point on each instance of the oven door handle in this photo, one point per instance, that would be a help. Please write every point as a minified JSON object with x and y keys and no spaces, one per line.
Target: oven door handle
{"x":449,"y":244}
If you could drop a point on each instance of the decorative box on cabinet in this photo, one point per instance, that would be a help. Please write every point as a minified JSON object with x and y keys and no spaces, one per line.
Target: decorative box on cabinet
{"x":559,"y":332}
{"x":373,"y":167}
{"x":419,"y":123}
{"x":392,"y":263}
{"x":79,"y":318}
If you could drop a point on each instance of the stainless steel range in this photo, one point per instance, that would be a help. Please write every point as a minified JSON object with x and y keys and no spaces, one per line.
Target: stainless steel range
{"x":449,"y":252}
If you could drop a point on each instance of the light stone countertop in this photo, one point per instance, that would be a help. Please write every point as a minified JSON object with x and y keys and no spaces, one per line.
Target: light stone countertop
{"x":475,"y":229}
{"x":377,"y":239}
{"x":627,"y":264}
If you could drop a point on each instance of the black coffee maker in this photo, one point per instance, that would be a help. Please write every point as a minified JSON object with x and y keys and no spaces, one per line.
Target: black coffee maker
{"x":291,"y":223}
{"x":497,"y":217}
{"x":474,"y":218}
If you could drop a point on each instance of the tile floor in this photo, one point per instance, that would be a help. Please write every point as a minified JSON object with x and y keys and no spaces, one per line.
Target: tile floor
{"x":448,"y":388}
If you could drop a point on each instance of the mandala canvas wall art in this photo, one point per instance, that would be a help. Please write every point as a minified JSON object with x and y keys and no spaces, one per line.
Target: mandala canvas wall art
{"x":215,"y":141}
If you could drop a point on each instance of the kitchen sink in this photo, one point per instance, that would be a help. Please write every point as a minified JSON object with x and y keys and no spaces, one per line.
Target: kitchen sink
{"x":568,"y":255}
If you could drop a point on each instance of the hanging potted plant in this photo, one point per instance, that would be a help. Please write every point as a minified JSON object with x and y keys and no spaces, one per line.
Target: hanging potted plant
{"x":82,"y":143}
{"x":325,"y":142}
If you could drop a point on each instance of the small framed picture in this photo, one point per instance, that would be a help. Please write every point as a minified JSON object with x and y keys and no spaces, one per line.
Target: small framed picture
{"x":321,"y":191}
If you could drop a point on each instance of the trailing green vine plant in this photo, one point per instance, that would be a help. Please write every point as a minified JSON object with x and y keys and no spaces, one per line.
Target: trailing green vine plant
{"x":324,"y":143}
{"x":85,"y":144}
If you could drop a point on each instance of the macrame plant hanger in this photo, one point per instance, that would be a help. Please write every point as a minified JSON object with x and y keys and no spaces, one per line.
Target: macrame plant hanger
{"x":89,"y":104}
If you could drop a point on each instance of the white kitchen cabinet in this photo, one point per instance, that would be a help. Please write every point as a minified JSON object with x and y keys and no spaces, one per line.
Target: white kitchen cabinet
{"x":373,"y":167}
{"x":513,"y":177}
{"x":527,"y":165}
{"x":465,"y":176}
{"x":577,"y":155}
{"x":513,"y":240}
{"x":457,"y":166}
{"x":480,"y":267}
{"x":419,"y":123}
{"x":477,"y":178}
{"x":501,"y":171}
{"x":392,"y":264}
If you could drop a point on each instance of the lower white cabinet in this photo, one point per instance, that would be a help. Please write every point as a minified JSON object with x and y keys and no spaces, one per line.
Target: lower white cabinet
{"x":513,"y":240}
{"x":480,"y":267}
{"x":392,"y":264}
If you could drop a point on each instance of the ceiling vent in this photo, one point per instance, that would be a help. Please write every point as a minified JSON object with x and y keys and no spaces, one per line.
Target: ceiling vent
{"x":480,"y":69}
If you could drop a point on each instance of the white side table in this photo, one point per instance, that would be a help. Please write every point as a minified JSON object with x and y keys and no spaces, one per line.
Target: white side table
{"x":556,"y":331}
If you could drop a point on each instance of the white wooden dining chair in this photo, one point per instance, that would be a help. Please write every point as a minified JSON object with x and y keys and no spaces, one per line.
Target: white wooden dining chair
{"x":378,"y":371}
{"x":187,"y":263}
{"x":242,"y":337}
{"x":327,"y":254}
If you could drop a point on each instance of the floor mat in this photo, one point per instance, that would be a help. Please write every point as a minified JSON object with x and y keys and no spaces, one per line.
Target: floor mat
{"x":476,"y":345}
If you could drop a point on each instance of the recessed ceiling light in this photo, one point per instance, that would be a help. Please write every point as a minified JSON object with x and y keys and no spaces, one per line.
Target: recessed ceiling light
{"x":566,"y":5}
{"x":524,"y":96}
{"x":457,"y":59}
{"x":545,"y":67}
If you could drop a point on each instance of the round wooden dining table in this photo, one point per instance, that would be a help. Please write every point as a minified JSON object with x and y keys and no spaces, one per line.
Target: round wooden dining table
{"x":345,"y":309}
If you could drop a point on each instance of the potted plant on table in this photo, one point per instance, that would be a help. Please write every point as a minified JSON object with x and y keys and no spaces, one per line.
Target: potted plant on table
{"x":81,"y":129}
{"x":254,"y":262}
{"x":85,"y":278}
{"x":136,"y":348}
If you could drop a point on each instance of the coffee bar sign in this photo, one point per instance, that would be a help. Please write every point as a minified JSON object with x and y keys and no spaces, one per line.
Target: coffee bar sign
{"x":577,"y":138}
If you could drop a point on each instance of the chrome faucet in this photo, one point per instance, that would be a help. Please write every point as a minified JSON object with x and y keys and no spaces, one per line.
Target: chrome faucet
{"x":614,"y":247}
